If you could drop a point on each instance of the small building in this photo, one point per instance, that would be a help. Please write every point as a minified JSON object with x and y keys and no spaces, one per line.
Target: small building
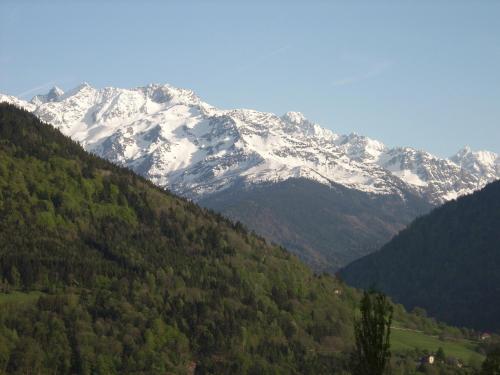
{"x":428,"y":359}
{"x":337,"y":292}
{"x":485,"y":336}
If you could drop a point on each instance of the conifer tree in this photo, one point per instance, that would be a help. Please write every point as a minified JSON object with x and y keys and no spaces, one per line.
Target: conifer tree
{"x":372,"y":333}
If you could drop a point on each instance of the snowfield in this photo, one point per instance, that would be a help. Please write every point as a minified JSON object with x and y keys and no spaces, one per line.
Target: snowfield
{"x":176,"y":140}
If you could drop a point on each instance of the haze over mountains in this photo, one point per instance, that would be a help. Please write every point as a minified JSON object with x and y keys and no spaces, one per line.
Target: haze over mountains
{"x":219,"y":157}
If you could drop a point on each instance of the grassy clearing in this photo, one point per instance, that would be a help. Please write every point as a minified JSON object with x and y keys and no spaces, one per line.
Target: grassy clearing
{"x":19,"y":297}
{"x":402,"y":339}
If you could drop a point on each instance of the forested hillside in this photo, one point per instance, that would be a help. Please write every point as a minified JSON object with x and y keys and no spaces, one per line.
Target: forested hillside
{"x":134,"y":279}
{"x":104,"y":273}
{"x":447,"y":262}
{"x":326,"y":226}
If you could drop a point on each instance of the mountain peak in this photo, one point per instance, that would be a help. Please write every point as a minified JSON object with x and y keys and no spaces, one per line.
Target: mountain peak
{"x":296,"y":118}
{"x":162,"y":93}
{"x":82,"y":87}
{"x":481,"y":155}
{"x":486,"y":164}
{"x":54,"y":94}
{"x":84,"y":84}
{"x":462,"y":152}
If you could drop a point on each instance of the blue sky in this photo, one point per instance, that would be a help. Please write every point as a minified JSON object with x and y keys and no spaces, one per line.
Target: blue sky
{"x":419,"y":73}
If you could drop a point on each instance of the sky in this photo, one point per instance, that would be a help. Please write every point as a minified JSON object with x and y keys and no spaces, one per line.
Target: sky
{"x":424,"y":74}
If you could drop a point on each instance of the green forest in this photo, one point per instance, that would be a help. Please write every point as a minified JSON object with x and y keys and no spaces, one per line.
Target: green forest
{"x":101,"y":272}
{"x":326,"y":226}
{"x":446,"y":262}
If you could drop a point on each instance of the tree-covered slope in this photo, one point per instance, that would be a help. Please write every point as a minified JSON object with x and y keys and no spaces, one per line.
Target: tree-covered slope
{"x":326,"y":226}
{"x":131,"y":279}
{"x":447,"y":262}
{"x":101,"y":272}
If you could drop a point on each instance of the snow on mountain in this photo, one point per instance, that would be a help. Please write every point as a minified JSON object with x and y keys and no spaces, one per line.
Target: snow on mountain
{"x":170,"y":136}
{"x":17,"y":102}
{"x":54,"y":94}
{"x":485,"y":164}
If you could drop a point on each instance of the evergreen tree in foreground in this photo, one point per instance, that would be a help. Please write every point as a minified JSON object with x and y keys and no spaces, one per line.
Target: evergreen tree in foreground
{"x":372,"y":333}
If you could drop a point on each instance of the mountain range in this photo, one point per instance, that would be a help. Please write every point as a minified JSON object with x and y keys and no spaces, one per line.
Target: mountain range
{"x":176,"y":140}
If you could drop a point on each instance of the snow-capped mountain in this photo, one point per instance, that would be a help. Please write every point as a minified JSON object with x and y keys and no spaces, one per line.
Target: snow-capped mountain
{"x":172,"y":137}
{"x":481,"y":163}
